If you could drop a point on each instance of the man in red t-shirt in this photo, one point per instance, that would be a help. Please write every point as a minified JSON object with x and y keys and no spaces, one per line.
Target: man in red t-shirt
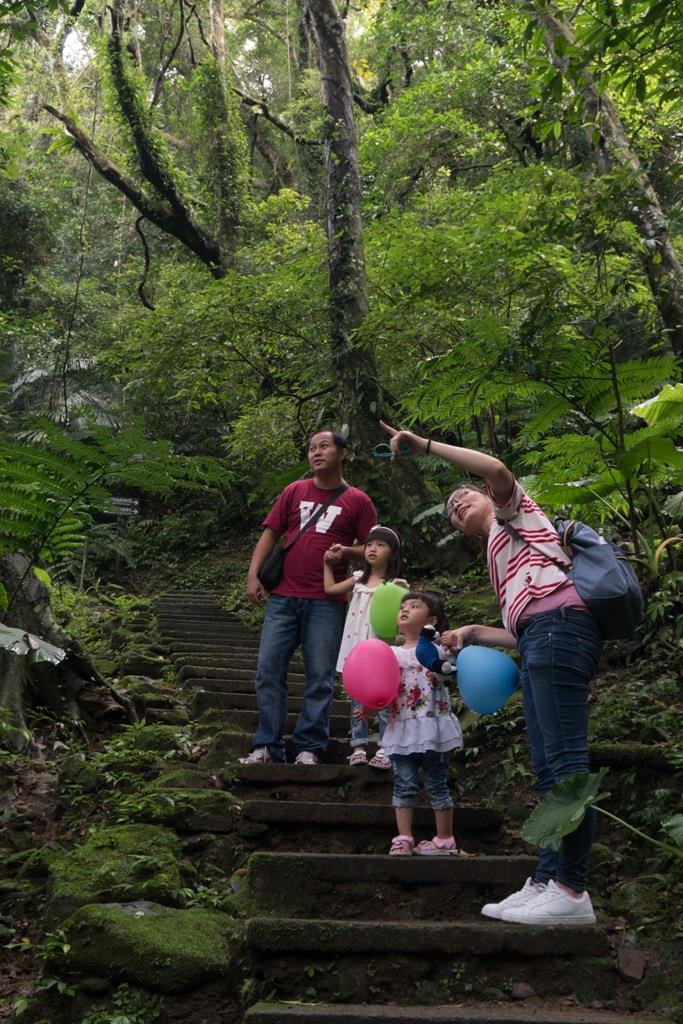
{"x":299,"y":612}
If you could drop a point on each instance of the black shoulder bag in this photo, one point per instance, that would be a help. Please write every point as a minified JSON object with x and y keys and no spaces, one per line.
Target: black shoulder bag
{"x":271,"y":571}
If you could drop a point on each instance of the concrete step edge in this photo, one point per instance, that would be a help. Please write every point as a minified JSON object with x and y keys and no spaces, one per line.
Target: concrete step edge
{"x":485,"y":1013}
{"x":278,"y":936}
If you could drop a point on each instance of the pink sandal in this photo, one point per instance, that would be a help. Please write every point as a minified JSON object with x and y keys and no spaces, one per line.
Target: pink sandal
{"x":402,"y":846}
{"x":437,"y":847}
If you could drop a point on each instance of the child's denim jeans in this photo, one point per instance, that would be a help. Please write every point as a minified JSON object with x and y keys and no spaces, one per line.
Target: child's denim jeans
{"x":360,"y":728}
{"x":407,"y":781}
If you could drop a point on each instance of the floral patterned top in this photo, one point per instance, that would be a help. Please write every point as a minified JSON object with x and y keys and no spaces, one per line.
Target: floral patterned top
{"x":421,"y":716}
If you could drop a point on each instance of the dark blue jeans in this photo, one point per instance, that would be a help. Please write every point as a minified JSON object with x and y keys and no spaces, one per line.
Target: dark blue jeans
{"x":316,"y":626}
{"x":560,"y":653}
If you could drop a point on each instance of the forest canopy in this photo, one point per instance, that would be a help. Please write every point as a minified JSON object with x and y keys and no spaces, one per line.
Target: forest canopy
{"x":228,"y":222}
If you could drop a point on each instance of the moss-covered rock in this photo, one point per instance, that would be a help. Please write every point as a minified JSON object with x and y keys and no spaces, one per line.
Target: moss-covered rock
{"x":188,"y":810}
{"x":150,"y":945}
{"x":135,"y":663}
{"x":124,"y":862}
{"x":224,"y":747}
{"x":39,"y":863}
{"x":167,"y":716}
{"x":77,"y":773}
{"x":158,"y":739}
{"x":135,"y":685}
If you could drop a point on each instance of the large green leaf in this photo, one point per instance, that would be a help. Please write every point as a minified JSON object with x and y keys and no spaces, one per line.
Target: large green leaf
{"x":674,"y":828}
{"x":562,"y":809}
{"x":655,"y":449}
{"x":18,"y":642}
{"x":666,"y":407}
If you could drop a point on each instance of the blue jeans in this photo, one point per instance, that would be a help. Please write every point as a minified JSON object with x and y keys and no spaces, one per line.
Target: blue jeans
{"x":407,"y":782}
{"x":360,"y":728}
{"x":560,"y":653}
{"x":316,"y":625}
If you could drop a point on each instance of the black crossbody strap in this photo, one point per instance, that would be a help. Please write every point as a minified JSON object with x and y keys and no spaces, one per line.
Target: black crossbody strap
{"x":316,"y":516}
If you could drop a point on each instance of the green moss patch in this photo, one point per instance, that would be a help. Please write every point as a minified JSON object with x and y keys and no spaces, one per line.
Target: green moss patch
{"x":187,"y":810}
{"x":158,"y":739}
{"x":224,"y":747}
{"x":125,"y":862}
{"x":183,"y":778}
{"x":149,"y":945}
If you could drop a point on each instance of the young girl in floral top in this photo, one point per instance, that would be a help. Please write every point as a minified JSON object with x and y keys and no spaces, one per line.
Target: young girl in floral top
{"x":421,"y":734}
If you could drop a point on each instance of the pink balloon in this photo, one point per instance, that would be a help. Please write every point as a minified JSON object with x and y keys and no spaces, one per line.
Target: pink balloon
{"x":371,"y":674}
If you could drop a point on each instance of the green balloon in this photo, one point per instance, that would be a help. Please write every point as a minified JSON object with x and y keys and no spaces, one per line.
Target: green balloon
{"x":384,"y":607}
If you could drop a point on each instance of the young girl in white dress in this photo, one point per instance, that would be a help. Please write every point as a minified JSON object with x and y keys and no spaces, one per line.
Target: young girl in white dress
{"x":382,"y":563}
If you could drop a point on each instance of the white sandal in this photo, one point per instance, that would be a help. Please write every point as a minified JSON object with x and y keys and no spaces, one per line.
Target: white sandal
{"x":380,"y":760}
{"x":359,"y":756}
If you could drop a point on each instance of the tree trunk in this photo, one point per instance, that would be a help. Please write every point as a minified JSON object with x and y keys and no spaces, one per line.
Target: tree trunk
{"x":63,"y":689}
{"x":353,"y":358}
{"x":225,"y":137}
{"x":662,"y":265}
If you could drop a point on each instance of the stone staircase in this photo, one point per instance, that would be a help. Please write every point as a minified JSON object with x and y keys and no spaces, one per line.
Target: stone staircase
{"x":337,"y":931}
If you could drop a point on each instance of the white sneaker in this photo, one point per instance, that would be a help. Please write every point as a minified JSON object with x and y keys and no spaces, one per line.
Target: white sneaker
{"x":553,"y":906}
{"x":307,"y":757}
{"x":259,"y":755}
{"x":528,"y":892}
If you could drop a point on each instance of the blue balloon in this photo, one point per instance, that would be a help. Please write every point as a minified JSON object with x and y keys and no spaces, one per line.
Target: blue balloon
{"x":486,"y":678}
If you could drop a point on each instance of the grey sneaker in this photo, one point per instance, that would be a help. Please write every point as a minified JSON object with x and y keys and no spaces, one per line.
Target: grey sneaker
{"x":307,"y":757}
{"x":528,"y":892}
{"x":553,"y":906}
{"x":259,"y":755}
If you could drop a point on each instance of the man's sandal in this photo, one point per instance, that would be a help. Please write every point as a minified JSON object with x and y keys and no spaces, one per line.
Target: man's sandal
{"x":402,"y":846}
{"x":437,"y":847}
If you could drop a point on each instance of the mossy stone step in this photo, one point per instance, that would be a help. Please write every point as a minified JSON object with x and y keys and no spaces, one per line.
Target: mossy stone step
{"x":362,"y":817}
{"x":493,"y":1013}
{"x":228,"y":658}
{"x":421,"y":962}
{"x":206,"y":628}
{"x":208,"y":636}
{"x":306,"y":775}
{"x":178,"y":648}
{"x":247,"y":702}
{"x":481,"y":938}
{"x":248,"y":720}
{"x":214,"y":723}
{"x":228,"y":684}
{"x":205,"y":643}
{"x":188,"y":672}
{"x":205,"y":623}
{"x":412,"y":888}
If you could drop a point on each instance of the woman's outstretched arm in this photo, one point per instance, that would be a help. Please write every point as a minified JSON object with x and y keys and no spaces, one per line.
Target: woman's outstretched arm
{"x":495,"y":472}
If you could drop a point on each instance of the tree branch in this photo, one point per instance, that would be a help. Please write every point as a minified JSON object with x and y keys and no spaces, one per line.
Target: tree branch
{"x":145,"y":250}
{"x":159,"y":212}
{"x":251,"y":101}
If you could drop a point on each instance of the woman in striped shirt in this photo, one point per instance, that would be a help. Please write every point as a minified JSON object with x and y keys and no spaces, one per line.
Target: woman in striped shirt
{"x":560,"y":645}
